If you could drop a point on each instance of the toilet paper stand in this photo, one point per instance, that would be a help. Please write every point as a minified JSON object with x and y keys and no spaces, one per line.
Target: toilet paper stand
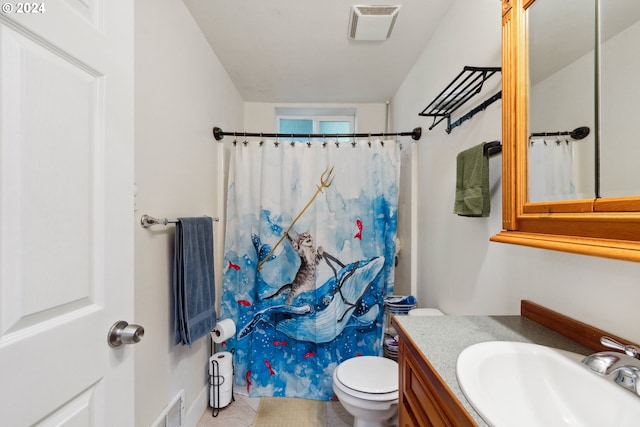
{"x":221,"y":377}
{"x":216,"y":380}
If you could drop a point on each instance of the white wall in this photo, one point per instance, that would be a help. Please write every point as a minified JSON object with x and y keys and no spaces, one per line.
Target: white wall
{"x":181,"y":92}
{"x":456,"y":267}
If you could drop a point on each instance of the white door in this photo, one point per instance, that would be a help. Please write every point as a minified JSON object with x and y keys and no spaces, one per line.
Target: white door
{"x":66,"y":212}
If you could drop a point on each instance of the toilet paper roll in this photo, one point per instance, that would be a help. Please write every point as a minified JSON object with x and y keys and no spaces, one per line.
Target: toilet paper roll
{"x":221,"y":391}
{"x":225,"y":363}
{"x":224,"y":382}
{"x":221,"y":372}
{"x":220,"y":398}
{"x":223,"y":330}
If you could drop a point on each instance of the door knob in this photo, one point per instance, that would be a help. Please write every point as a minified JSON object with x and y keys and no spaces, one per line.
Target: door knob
{"x":123,"y":333}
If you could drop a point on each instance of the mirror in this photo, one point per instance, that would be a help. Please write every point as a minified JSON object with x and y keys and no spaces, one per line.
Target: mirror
{"x":600,"y":215}
{"x":619,"y":96}
{"x":562,"y":94}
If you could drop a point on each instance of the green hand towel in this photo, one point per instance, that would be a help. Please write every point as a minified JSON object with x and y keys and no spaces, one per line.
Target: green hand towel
{"x":472,"y":183}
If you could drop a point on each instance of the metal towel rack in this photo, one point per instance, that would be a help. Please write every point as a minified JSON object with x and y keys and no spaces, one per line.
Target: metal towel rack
{"x":464,"y":86}
{"x":493,"y":147}
{"x":147,"y":221}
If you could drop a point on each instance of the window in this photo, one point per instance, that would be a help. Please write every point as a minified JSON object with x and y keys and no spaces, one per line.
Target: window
{"x":315,"y":121}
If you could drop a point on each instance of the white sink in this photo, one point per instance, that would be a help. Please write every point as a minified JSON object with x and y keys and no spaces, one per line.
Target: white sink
{"x":520,"y":384}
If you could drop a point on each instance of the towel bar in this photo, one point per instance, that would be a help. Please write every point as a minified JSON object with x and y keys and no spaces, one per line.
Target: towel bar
{"x":147,"y":221}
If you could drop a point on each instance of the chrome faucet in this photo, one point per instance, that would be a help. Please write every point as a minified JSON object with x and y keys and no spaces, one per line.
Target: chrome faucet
{"x":628,"y":349}
{"x":623,"y":368}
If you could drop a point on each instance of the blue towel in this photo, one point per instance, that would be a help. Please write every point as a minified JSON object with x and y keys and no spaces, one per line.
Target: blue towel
{"x":193,"y":280}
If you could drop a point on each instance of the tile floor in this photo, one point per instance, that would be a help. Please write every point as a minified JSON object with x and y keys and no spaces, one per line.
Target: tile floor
{"x":242,"y":412}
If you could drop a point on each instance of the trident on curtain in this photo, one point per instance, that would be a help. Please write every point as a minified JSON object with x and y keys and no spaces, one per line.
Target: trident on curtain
{"x":326,"y":179}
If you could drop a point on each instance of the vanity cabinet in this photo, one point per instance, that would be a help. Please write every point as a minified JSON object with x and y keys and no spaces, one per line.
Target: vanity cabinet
{"x":424,"y":399}
{"x":429,"y":393}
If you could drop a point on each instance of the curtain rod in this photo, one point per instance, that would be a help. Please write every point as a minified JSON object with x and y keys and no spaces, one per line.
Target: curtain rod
{"x":218,"y":134}
{"x":578,"y":133}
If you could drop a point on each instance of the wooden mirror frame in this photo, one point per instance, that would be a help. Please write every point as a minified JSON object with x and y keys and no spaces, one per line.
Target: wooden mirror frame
{"x":605,"y":227}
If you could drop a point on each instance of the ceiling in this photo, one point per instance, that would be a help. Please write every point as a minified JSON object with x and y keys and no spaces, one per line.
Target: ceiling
{"x":297,"y":51}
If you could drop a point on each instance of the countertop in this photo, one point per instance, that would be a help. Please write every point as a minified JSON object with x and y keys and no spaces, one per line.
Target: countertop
{"x":442,"y":338}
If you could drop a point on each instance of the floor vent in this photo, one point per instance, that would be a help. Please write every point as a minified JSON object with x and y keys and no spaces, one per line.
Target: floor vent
{"x":174,"y":414}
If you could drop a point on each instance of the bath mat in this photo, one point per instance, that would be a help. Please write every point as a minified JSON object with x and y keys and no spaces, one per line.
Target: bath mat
{"x":290,"y":412}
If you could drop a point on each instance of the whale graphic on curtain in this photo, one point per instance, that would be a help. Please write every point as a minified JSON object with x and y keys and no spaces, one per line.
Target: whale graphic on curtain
{"x":309,"y":256}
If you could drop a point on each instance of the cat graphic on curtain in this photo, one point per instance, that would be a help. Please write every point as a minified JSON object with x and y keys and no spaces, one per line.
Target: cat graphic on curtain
{"x":310,"y":257}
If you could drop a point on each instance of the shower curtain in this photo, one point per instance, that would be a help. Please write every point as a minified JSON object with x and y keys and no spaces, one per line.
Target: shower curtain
{"x":550,"y":171}
{"x":309,"y":257}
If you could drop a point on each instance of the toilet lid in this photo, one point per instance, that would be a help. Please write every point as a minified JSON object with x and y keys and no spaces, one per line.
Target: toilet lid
{"x":369,"y":374}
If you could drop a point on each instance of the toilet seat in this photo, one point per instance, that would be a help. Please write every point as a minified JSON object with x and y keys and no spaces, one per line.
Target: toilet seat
{"x":368,"y":377}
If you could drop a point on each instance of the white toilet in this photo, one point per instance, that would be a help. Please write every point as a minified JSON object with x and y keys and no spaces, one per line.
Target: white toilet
{"x":367,"y":387}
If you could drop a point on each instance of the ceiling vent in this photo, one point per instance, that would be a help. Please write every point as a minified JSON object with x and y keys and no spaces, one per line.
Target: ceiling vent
{"x":372,"y":23}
